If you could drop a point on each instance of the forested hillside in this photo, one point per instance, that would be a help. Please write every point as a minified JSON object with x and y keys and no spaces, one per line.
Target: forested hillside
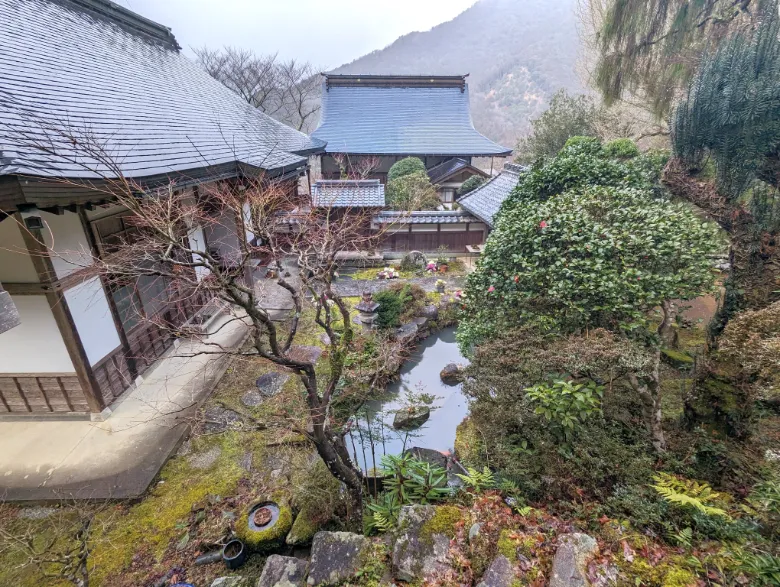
{"x":517,"y":52}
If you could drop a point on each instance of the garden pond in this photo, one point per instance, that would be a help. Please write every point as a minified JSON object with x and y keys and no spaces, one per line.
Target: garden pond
{"x":419,"y":375}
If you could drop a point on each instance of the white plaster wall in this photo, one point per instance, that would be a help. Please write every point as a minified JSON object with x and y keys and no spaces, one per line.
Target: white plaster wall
{"x":16,"y":266}
{"x":104,"y":211}
{"x":198,"y":243}
{"x":35,"y":346}
{"x":89,"y":307}
{"x":65,"y":238}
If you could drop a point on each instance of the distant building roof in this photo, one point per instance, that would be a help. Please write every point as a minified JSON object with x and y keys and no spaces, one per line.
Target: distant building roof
{"x":97,"y":71}
{"x":346,"y":193}
{"x":485,"y":201}
{"x":424,"y":217}
{"x":400,"y":115}
{"x":443,"y":171}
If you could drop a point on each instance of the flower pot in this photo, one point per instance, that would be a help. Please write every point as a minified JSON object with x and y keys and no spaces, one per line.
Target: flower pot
{"x":234,"y":554}
{"x":443,"y":268}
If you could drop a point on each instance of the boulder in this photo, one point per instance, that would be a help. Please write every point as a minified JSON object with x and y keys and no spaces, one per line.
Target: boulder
{"x":411,"y":417}
{"x":431,"y":312}
{"x":230,"y":582}
{"x":570,"y":565}
{"x":406,"y":333}
{"x":304,"y":527}
{"x":499,"y":574}
{"x":336,"y":557}
{"x":283,"y":571}
{"x":269,"y":384}
{"x":422,"y":545}
{"x":452,"y":374}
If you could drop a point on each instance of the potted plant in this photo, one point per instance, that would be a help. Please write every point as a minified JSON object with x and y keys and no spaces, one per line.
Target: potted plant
{"x":442,"y":261}
{"x":440,"y":285}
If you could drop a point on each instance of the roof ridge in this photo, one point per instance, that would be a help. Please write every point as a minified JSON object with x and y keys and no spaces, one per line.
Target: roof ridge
{"x":130,"y":20}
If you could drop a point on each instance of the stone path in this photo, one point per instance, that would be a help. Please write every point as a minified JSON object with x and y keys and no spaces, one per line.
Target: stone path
{"x":356,"y":287}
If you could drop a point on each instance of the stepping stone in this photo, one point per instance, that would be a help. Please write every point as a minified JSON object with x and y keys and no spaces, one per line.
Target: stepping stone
{"x":270,"y":384}
{"x":203,"y":460}
{"x":220,"y":419}
{"x":252,"y":398}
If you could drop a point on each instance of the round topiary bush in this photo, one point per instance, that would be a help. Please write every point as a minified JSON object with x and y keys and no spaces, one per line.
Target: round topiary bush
{"x":404,"y":167}
{"x":263,"y":539}
{"x":621,"y":148}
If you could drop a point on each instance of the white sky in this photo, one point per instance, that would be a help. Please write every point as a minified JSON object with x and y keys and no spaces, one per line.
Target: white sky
{"x":328,"y":33}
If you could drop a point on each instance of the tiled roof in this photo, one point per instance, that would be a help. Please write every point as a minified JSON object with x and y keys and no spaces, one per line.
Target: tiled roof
{"x":96,"y":70}
{"x":485,"y":201}
{"x":450,"y":167}
{"x":392,"y":115}
{"x":424,"y":217}
{"x":349,"y":193}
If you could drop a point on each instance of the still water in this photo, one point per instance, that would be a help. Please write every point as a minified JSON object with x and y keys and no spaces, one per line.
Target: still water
{"x":420,"y":374}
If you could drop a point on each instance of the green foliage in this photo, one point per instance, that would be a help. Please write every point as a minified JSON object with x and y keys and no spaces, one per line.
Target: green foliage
{"x":732,"y":109}
{"x":413,"y":481}
{"x":406,"y":166}
{"x":650,"y":48}
{"x":565,"y":405}
{"x":763,"y":567}
{"x":398,"y":303}
{"x":478,"y":481}
{"x":567,"y":116}
{"x":383,"y":513}
{"x":622,"y":149}
{"x":585,"y":242}
{"x":471,"y":184}
{"x":688,"y":493}
{"x":413,"y":191}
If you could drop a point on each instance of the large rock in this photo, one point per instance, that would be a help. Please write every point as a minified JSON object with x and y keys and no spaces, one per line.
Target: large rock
{"x":304,"y":528}
{"x":407,"y":333}
{"x":499,"y":574}
{"x":452,"y":374}
{"x":431,"y":312}
{"x":283,"y":571}
{"x":411,"y":417}
{"x":230,"y":582}
{"x":336,"y":557}
{"x":570,"y":565}
{"x":422,"y":545}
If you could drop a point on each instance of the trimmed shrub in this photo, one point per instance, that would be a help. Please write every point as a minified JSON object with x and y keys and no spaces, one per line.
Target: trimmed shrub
{"x":404,"y":167}
{"x":621,"y":148}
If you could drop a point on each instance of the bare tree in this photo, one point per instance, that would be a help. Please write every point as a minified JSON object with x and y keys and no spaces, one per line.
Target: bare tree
{"x":358,"y":167}
{"x":288,"y":91}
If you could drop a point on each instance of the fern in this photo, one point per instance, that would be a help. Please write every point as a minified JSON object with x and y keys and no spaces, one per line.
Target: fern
{"x":688,"y":493}
{"x":478,"y":480}
{"x":684,"y":537}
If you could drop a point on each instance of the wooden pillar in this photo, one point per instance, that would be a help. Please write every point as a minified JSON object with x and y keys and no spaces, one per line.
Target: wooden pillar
{"x":120,"y":329}
{"x":33,"y":239}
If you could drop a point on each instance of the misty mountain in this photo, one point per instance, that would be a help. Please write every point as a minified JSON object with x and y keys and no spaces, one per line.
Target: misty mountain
{"x":517,"y":52}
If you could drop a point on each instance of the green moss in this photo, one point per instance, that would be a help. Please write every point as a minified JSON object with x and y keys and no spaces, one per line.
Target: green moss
{"x":507,"y":546}
{"x":678,"y":577}
{"x":444,"y":521}
{"x":265,"y":540}
{"x":304,"y":528}
{"x":155,"y":522}
{"x":468,"y":444}
{"x":373,"y":565}
{"x":677,"y":359}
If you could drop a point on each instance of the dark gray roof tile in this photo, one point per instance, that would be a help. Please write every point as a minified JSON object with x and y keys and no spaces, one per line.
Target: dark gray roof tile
{"x":361,"y":193}
{"x":374,"y":116}
{"x":485,"y":201}
{"x":96,"y":71}
{"x":424,"y":217}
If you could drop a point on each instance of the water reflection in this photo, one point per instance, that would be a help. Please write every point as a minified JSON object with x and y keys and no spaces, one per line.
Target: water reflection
{"x":420,"y":374}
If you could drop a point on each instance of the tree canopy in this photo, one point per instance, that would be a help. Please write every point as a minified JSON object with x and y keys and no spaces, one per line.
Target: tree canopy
{"x":567,"y":116}
{"x":413,"y":191}
{"x":585,"y":241}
